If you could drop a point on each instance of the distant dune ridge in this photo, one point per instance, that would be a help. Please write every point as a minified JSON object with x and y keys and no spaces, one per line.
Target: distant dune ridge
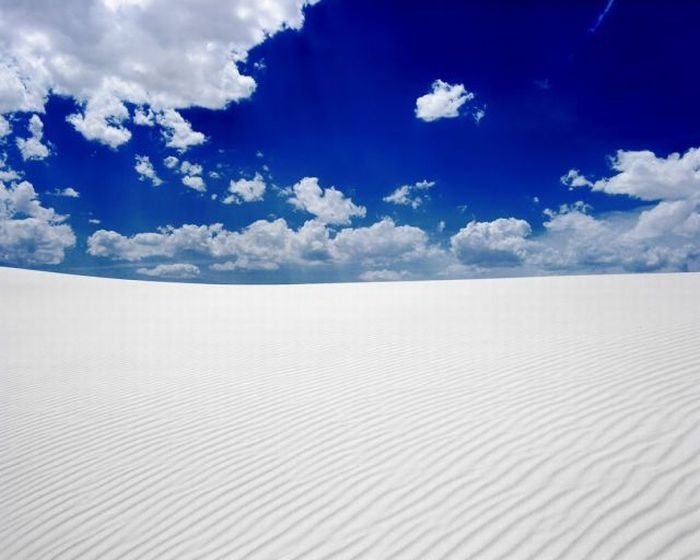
{"x":533,"y":418}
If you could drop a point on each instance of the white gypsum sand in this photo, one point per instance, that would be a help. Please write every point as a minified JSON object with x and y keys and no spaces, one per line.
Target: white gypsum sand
{"x":521,"y":418}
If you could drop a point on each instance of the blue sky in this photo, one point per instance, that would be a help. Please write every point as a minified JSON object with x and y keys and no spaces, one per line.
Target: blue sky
{"x":278,"y":141}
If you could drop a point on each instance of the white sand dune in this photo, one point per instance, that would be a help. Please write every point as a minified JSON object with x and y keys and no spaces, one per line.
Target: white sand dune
{"x":527,"y":418}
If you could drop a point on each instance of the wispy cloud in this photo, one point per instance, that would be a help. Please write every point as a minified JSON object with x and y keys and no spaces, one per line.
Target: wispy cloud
{"x":601,"y":16}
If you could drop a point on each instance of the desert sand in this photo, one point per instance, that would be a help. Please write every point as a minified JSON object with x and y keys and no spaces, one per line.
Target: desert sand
{"x":533,"y":418}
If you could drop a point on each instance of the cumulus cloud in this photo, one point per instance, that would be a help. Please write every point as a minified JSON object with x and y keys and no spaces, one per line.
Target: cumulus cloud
{"x":160,"y":54}
{"x":502,"y":242}
{"x":444,"y":102}
{"x":677,"y":217}
{"x":146,"y":171}
{"x":643,"y":175}
{"x":5,"y":127}
{"x":32,"y":147}
{"x":174,"y":270}
{"x":29,"y":232}
{"x":178,"y":132}
{"x":383,"y":275}
{"x":192,"y":176}
{"x":381,"y":243}
{"x":102,"y":120}
{"x":7,"y":174}
{"x":573,"y":178}
{"x":144,"y":116}
{"x":68,"y":192}
{"x":408,"y":195}
{"x":575,"y":240}
{"x":170,"y":162}
{"x":269,"y":245}
{"x":194,"y":182}
{"x":166,"y":242}
{"x":263,"y":245}
{"x":660,"y":235}
{"x":244,"y":264}
{"x":189,"y":168}
{"x":246,"y":190}
{"x":329,"y":205}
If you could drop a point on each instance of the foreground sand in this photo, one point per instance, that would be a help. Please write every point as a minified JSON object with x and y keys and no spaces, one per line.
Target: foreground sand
{"x":528,"y":418}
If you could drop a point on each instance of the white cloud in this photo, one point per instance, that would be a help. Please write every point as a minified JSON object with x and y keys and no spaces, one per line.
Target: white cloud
{"x":667,"y":217}
{"x":94,"y":221}
{"x":443,"y":102}
{"x":243,"y":264}
{"x":178,"y":132}
{"x":144,"y":116}
{"x":192,"y":173}
{"x":166,"y":242}
{"x":192,"y":176}
{"x":23,"y":86}
{"x":246,"y":190}
{"x":406,"y":195}
{"x":189,"y":168}
{"x":329,"y":205}
{"x":194,"y":182}
{"x":659,"y":236}
{"x":163,"y":54}
{"x":146,"y":172}
{"x":32,"y":147}
{"x":663,"y":233}
{"x":502,"y":242}
{"x":263,"y":245}
{"x":579,"y":206}
{"x":643,"y":175}
{"x":175,"y":270}
{"x":382,"y":244}
{"x":102,"y":120}
{"x":6,"y":173}
{"x":384,"y":275}
{"x":68,"y":192}
{"x":574,"y":240}
{"x":29,"y":232}
{"x":269,"y":245}
{"x":573,"y":178}
{"x":402,"y":196}
{"x":5,"y":127}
